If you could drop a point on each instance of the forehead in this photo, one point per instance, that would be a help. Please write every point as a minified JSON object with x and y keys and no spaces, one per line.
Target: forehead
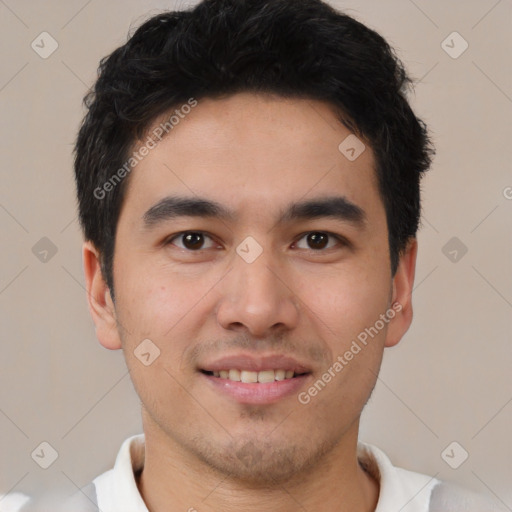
{"x":254,"y":153}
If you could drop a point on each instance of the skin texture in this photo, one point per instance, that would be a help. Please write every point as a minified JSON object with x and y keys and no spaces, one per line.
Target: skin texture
{"x":254,"y":154}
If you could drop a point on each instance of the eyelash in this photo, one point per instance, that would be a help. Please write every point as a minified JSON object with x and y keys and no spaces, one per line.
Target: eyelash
{"x":341,"y":241}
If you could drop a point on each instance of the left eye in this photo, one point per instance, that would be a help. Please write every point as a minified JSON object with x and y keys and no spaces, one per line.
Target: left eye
{"x":318,"y":240}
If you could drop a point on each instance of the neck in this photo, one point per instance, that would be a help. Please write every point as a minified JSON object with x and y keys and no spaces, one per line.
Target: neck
{"x":174,"y":480}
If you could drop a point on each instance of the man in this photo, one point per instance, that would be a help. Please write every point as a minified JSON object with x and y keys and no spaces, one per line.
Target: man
{"x":248,"y":183}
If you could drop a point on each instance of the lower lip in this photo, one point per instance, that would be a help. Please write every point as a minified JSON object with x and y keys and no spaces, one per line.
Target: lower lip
{"x":257,"y":393}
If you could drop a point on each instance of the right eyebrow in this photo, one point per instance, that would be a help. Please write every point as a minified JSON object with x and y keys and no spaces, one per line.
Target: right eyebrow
{"x":175,"y":206}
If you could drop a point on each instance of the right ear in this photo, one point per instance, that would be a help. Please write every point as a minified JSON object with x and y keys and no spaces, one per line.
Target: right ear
{"x":99,"y":299}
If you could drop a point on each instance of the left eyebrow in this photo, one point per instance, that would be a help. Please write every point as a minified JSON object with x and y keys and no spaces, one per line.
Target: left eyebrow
{"x":337,"y":207}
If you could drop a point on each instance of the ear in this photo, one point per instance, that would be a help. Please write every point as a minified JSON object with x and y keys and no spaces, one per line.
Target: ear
{"x":99,"y":299}
{"x":401,"y":299}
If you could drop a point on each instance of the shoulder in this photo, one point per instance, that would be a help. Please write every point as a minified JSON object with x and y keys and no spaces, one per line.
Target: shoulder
{"x":449,"y":496}
{"x":14,"y":501}
{"x":115,"y":489}
{"x":84,"y":500}
{"x":410,"y":491}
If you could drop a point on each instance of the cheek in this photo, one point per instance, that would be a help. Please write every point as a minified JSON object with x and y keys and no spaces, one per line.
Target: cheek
{"x":344,"y":303}
{"x":352,"y":311}
{"x":164,"y":312}
{"x":171,"y":310}
{"x":343,"y":319}
{"x":154,"y":301}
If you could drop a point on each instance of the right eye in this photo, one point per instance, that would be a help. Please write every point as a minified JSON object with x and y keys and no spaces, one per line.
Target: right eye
{"x":190,"y":240}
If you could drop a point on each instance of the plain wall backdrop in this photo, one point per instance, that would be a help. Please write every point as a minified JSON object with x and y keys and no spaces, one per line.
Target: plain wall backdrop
{"x":448,"y":380}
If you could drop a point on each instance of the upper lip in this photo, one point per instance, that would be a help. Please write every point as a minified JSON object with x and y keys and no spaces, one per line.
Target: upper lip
{"x":256,"y":363}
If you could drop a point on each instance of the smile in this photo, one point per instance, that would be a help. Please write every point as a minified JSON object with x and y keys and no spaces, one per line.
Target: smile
{"x":248,"y":376}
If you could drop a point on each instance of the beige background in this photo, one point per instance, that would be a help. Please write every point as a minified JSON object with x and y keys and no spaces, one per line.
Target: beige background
{"x":449,"y":378}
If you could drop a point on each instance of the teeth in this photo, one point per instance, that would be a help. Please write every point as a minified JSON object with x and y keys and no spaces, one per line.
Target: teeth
{"x":252,"y":377}
{"x":266,"y":376}
{"x":247,"y":377}
{"x":280,"y":374}
{"x":234,"y":375}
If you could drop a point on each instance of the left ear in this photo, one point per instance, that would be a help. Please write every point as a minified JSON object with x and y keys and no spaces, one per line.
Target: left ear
{"x":401,"y":301}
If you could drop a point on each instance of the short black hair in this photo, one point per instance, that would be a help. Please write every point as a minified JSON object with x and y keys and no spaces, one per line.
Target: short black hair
{"x":289,"y":48}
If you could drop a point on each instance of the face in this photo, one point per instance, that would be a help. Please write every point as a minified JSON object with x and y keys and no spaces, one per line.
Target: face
{"x":250,"y":247}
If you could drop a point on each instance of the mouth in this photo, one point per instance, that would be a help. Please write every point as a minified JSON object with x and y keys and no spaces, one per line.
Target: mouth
{"x":252,"y":377}
{"x":255,"y":380}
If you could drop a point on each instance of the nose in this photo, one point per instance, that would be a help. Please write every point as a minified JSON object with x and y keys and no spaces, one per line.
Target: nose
{"x":258,"y":298}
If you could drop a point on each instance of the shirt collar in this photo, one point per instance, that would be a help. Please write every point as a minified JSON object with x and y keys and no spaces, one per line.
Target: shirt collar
{"x":399,"y":489}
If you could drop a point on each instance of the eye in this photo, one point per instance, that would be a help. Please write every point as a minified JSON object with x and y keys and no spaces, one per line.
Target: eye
{"x":318,"y":240}
{"x":194,"y":241}
{"x":190,"y":240}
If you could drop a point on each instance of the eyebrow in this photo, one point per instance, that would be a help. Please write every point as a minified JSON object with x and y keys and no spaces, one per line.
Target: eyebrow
{"x":336,"y":207}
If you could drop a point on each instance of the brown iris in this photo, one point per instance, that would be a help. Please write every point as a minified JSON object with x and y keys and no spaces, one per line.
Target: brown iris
{"x":317,"y":240}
